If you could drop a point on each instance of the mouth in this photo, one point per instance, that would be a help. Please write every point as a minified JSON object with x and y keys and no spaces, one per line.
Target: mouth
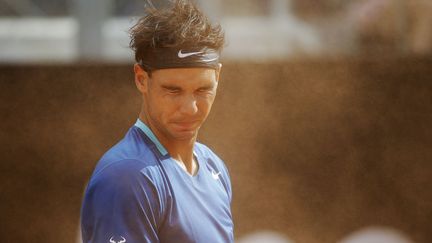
{"x":186,"y":125}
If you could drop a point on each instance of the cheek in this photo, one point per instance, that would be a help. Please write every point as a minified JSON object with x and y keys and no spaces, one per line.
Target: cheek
{"x":156,"y":106}
{"x":166,"y":107}
{"x":205,"y":104}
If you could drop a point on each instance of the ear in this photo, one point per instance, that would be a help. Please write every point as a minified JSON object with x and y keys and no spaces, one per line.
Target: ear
{"x":218,"y":70}
{"x":141,"y":78}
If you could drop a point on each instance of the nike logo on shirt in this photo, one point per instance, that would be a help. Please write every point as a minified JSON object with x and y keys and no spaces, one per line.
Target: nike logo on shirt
{"x":215,"y":175}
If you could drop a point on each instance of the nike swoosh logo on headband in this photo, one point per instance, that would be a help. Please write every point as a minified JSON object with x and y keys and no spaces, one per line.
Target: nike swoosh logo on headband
{"x":183,"y":55}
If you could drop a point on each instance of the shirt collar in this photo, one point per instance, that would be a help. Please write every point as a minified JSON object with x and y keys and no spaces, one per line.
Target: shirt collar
{"x":141,"y":125}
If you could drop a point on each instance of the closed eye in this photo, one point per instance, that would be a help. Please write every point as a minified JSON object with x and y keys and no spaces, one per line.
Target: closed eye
{"x":206,"y":88}
{"x":171,"y":89}
{"x":205,"y":91}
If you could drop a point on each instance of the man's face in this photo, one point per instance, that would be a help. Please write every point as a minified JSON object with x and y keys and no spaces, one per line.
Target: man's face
{"x":177,"y":101}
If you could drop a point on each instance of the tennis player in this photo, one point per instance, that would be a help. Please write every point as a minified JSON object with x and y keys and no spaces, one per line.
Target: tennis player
{"x":158,"y":184}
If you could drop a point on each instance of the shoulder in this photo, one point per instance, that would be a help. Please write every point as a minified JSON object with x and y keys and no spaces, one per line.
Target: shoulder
{"x":128,"y":165}
{"x":124,"y":182}
{"x":130,"y":152}
{"x":123,"y":175}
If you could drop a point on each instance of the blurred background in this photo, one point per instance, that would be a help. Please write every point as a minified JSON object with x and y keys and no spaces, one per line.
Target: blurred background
{"x":323,"y":114}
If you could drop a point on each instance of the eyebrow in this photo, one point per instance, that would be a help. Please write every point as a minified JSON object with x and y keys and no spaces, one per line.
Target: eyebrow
{"x":170,"y":87}
{"x":174,"y":87}
{"x":207,"y":87}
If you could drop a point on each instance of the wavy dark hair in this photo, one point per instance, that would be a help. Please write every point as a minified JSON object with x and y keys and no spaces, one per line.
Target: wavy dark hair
{"x":180,"y":25}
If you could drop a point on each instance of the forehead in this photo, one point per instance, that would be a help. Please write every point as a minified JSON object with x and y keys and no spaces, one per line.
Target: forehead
{"x":184,"y":76}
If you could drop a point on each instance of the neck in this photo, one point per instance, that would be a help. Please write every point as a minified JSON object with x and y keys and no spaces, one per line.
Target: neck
{"x":180,"y":150}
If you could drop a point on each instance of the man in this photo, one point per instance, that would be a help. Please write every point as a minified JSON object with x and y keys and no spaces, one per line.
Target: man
{"x":158,"y":184}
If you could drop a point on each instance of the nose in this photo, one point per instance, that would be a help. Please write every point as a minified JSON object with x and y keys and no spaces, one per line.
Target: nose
{"x":189,"y":105}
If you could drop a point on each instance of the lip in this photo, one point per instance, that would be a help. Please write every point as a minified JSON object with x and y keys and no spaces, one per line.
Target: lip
{"x":186,"y":125}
